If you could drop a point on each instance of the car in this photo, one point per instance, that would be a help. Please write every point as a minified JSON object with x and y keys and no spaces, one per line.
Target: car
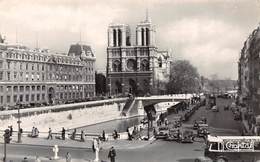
{"x":215,"y":109}
{"x":174,"y":135}
{"x":203,"y":130}
{"x":187,"y":136}
{"x":144,"y":121}
{"x":197,"y":124}
{"x":162,"y":133}
{"x":233,"y":107}
{"x":226,"y":107}
{"x":237,"y":115}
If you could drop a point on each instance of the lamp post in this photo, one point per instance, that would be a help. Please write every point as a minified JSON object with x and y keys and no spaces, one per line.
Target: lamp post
{"x":19,"y":122}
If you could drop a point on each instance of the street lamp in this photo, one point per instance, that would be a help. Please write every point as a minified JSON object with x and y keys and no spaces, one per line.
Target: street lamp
{"x":19,"y":122}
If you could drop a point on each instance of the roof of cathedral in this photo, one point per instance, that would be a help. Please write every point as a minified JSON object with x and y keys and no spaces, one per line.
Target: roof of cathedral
{"x":81,"y":50}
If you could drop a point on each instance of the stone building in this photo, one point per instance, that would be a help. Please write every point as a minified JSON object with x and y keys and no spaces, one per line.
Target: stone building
{"x":249,"y":73}
{"x":33,"y":76}
{"x":138,"y":69}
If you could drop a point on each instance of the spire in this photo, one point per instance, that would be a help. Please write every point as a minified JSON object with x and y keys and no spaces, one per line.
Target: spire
{"x":147,"y":17}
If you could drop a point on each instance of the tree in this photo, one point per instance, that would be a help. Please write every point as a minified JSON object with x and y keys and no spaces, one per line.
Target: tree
{"x":184,"y":78}
{"x":100,"y":84}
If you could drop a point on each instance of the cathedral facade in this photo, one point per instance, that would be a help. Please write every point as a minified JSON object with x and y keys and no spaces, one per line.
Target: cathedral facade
{"x":138,"y":69}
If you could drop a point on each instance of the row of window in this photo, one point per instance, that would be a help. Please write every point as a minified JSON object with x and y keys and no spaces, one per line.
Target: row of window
{"x":34,"y":57}
{"x":41,"y":97}
{"x":23,"y":88}
{"x":38,"y":76}
{"x":23,"y":98}
{"x":74,"y":87}
{"x":43,"y":88}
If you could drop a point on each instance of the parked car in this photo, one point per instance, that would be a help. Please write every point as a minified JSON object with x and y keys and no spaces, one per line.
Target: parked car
{"x":226,"y":107}
{"x":174,"y":135}
{"x":162,"y":133}
{"x":203,"y":130}
{"x":237,"y":115}
{"x":215,"y":108}
{"x":187,"y":136}
{"x":197,"y":124}
{"x":233,"y":107}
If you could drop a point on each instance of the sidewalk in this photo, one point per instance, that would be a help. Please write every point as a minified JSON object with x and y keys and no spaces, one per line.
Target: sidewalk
{"x":68,"y":143}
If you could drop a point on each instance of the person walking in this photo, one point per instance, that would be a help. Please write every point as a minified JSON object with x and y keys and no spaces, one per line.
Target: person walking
{"x":82,"y":136}
{"x":63,"y":133}
{"x":112,"y":154}
{"x":11,"y":130}
{"x":103,"y":136}
{"x":37,"y":159}
{"x":68,"y":157}
{"x":49,"y":134}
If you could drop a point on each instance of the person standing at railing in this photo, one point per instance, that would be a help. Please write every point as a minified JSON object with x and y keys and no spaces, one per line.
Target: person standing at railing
{"x":49,"y":134}
{"x":33,"y":131}
{"x":82,"y":136}
{"x":63,"y":131}
{"x":11,"y":130}
{"x":73,"y":134}
{"x":103,"y":136}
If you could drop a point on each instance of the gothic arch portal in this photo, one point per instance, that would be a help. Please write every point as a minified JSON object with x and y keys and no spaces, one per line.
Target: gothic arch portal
{"x":116,"y":66}
{"x":132,"y":86}
{"x":118,"y":88}
{"x":144,"y":65}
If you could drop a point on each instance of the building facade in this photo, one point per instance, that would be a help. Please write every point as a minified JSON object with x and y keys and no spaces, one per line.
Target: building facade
{"x":33,"y":76}
{"x":249,"y":73}
{"x":136,"y":69}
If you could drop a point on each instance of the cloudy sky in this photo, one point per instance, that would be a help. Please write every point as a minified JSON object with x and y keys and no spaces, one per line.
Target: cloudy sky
{"x":208,"y":33}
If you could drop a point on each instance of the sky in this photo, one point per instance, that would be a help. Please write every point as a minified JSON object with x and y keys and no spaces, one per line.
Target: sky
{"x":208,"y":33}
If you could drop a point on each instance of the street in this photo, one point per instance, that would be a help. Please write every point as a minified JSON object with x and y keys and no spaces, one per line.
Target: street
{"x":220,"y":123}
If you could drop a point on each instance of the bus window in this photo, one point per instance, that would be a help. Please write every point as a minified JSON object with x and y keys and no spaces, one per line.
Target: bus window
{"x":214,"y":146}
{"x":257,"y":146}
{"x":221,"y":147}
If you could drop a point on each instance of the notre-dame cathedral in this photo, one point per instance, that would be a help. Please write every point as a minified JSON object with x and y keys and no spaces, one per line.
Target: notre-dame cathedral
{"x":138,"y":69}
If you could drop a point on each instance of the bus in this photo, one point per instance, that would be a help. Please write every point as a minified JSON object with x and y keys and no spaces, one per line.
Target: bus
{"x":210,"y":101}
{"x":233,"y":148}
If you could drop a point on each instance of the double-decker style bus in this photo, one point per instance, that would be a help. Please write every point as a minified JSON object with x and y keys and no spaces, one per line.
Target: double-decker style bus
{"x":233,"y":148}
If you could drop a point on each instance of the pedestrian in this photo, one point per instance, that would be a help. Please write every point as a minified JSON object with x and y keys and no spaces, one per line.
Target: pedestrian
{"x":115,"y":134}
{"x":112,"y":154}
{"x":32,"y":133}
{"x":104,"y":135}
{"x":49,"y":134}
{"x":36,"y":132}
{"x":93,"y":145}
{"x":73,"y":135}
{"x":25,"y":159}
{"x":82,"y":136}
{"x":37,"y":159}
{"x":68,"y":157}
{"x":166,"y":122}
{"x":63,"y":133}
{"x":129,"y":135}
{"x":11,"y":130}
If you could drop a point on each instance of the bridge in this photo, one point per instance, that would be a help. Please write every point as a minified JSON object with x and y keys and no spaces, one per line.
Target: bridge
{"x":135,"y":106}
